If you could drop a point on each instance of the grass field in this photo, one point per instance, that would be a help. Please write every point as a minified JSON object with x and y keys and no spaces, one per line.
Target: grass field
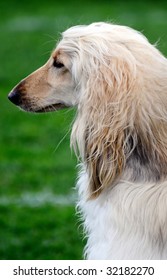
{"x":37,"y":168}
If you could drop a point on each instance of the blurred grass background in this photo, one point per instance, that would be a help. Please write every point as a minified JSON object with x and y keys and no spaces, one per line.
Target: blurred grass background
{"x":37,"y":168}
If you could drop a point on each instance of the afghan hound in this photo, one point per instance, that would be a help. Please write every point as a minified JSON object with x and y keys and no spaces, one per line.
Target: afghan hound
{"x":117,"y":81}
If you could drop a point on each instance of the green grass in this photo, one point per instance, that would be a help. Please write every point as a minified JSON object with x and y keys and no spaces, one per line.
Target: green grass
{"x":32,"y":162}
{"x":38,"y":233}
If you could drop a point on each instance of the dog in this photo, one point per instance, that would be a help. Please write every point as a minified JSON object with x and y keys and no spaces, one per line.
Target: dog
{"x":117,"y":81}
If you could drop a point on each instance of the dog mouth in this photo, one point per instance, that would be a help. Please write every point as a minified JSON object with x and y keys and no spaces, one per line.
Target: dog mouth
{"x":51,"y":108}
{"x":31,"y":105}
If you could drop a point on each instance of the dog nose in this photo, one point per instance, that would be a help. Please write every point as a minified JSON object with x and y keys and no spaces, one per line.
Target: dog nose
{"x":14,"y":97}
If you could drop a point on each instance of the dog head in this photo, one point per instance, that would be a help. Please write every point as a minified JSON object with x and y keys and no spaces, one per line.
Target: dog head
{"x":49,"y":88}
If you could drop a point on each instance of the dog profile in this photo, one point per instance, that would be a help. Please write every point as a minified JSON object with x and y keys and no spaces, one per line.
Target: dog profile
{"x":117,"y":81}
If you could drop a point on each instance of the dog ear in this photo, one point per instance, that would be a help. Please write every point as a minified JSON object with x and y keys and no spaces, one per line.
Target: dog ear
{"x":100,"y":129}
{"x":107,"y":108}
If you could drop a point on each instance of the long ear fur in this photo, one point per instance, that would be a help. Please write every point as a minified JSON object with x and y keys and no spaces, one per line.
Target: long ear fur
{"x":101,"y":126}
{"x":117,"y":89}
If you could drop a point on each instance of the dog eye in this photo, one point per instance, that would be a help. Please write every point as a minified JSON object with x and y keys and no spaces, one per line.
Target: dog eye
{"x":58,"y":64}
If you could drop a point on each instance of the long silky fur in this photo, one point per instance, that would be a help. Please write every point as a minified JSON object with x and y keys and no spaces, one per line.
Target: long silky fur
{"x":122,"y":109}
